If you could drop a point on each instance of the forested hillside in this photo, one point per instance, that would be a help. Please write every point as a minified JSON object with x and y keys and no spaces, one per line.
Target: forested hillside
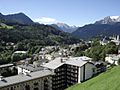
{"x":23,"y":37}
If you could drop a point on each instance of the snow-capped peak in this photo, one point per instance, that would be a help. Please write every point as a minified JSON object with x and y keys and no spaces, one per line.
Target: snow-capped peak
{"x":109,"y":20}
{"x":66,"y":28}
{"x":62,"y":25}
{"x":114,"y":17}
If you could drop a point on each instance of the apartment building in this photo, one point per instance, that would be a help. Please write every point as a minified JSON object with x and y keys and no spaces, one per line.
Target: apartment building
{"x":69,"y":71}
{"x":56,"y":74}
{"x":29,"y":81}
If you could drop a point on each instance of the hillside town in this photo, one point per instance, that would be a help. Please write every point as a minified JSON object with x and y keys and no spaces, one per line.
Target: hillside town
{"x":60,"y":45}
{"x":54,"y":68}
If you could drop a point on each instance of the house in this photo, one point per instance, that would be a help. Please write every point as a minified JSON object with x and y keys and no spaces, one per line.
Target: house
{"x":49,"y":57}
{"x":112,"y":59}
{"x":104,"y":41}
{"x":100,"y":66}
{"x":116,"y":40}
{"x":29,"y":68}
{"x":27,"y":60}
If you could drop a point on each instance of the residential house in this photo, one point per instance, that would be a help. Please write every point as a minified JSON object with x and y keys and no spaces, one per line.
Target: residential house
{"x":112,"y":58}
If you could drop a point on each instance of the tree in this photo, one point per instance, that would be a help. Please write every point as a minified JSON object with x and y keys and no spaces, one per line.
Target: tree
{"x":98,"y":52}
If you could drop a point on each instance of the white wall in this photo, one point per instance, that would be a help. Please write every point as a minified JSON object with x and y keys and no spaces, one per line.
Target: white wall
{"x":89,"y":70}
{"x":79,"y":78}
{"x":22,"y":70}
{"x":19,"y":70}
{"x":81,"y":73}
{"x":109,"y":59}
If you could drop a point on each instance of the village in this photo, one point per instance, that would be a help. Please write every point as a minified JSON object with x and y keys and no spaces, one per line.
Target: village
{"x":55,"y":68}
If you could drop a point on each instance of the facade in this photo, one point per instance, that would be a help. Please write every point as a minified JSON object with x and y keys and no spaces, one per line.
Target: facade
{"x":59,"y":78}
{"x":32,"y":81}
{"x":81,"y":68}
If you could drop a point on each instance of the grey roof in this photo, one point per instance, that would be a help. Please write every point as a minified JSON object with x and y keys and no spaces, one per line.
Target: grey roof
{"x":76,"y":61}
{"x":83,"y":58}
{"x":54,"y":63}
{"x":23,"y":78}
{"x":115,"y":58}
{"x":6,"y":65}
{"x":31,"y":67}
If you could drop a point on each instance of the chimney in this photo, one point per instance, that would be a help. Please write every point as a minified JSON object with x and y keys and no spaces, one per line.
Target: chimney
{"x":63,"y":60}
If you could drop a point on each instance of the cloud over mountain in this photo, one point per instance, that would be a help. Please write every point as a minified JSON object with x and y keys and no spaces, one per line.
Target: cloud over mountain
{"x":45,"y":20}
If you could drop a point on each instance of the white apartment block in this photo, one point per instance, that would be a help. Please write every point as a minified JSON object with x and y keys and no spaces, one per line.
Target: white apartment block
{"x":69,"y":71}
{"x":32,"y":81}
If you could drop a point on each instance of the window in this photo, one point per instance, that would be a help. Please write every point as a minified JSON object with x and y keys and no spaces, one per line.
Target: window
{"x":27,"y":87}
{"x":11,"y":88}
{"x":36,"y":88}
{"x":35,"y":83}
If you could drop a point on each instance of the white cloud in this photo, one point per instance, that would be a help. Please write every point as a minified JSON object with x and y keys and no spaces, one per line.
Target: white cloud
{"x":45,"y":20}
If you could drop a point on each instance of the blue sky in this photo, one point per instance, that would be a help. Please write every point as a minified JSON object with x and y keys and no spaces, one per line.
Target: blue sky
{"x":72,"y":12}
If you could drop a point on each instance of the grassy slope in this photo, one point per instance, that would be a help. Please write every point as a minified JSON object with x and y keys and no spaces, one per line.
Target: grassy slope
{"x":109,"y":80}
{"x":2,"y":25}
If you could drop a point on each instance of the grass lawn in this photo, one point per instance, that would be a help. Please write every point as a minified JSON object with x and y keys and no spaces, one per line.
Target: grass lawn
{"x":109,"y":80}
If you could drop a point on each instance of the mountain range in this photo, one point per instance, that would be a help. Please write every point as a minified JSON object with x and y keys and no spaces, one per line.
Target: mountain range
{"x":20,"y":18}
{"x":109,"y":20}
{"x":105,"y":27}
{"x":64,"y":27}
{"x":20,"y":28}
